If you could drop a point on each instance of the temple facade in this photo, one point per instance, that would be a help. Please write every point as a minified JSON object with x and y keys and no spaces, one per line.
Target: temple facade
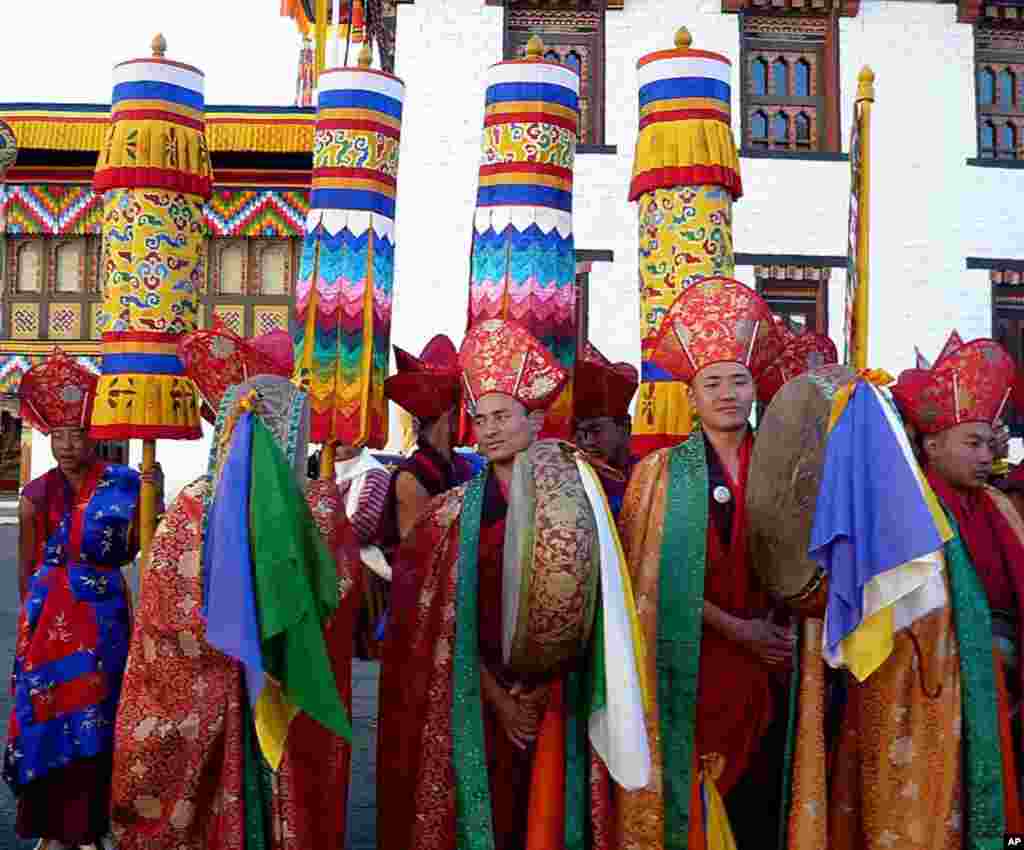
{"x":947,"y":180}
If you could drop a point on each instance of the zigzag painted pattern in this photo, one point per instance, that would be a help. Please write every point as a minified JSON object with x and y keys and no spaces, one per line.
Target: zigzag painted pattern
{"x":46,"y":210}
{"x":14,"y":366}
{"x":257,"y":213}
{"x":54,"y":210}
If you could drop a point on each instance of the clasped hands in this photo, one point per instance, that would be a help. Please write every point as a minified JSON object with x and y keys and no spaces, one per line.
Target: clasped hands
{"x":520,"y":708}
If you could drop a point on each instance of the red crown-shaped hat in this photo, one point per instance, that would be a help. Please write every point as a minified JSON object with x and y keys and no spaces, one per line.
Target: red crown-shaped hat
{"x":498,"y":356}
{"x":716,"y":320}
{"x":427,"y":385}
{"x":218,"y":359}
{"x":801,"y":354}
{"x":58,"y":393}
{"x":602,"y":388}
{"x":969,"y":383}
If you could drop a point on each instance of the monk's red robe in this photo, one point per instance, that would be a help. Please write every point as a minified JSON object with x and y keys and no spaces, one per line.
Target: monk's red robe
{"x":416,"y":797}
{"x":179,"y":753}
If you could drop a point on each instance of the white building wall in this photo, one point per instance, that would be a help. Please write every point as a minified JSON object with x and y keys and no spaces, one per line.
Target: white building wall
{"x":929,"y":210}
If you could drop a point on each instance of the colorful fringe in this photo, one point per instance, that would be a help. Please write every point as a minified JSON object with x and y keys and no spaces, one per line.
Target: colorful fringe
{"x":343,"y":311}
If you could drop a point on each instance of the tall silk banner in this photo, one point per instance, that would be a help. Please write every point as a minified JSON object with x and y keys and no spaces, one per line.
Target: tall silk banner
{"x":685,"y":178}
{"x":345,"y":285}
{"x":523,"y":258}
{"x":154,"y":175}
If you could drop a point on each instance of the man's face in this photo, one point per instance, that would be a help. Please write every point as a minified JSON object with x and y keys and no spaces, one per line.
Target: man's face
{"x":71,"y":448}
{"x":503,"y":427}
{"x":604,"y":437}
{"x":343,"y":452}
{"x":963,"y":454}
{"x":723,"y":395}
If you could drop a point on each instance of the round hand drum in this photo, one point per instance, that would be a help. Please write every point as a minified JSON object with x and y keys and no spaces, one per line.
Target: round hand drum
{"x":552,"y":562}
{"x":782,"y":487}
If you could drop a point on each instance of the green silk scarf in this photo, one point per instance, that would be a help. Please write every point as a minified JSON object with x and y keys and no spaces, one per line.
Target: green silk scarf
{"x":680,"y":617}
{"x":984,"y":815}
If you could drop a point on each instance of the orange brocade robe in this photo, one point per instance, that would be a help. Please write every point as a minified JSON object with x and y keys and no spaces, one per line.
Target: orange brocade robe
{"x":734,"y":692}
{"x":178,"y":751}
{"x":893,"y":778}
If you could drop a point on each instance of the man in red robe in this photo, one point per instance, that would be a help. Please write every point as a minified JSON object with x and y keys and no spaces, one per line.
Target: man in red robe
{"x":180,"y":741}
{"x":712,"y":647}
{"x":442,"y":784}
{"x":601,"y":395}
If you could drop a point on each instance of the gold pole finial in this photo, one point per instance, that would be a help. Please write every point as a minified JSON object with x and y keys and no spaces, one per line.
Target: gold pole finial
{"x":534,"y":47}
{"x":159,"y":45}
{"x":683,"y":38}
{"x":365,"y":55}
{"x":866,"y":84}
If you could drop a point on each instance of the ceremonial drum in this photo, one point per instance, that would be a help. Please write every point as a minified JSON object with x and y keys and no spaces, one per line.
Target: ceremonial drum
{"x":552,"y":562}
{"x":782,"y":486}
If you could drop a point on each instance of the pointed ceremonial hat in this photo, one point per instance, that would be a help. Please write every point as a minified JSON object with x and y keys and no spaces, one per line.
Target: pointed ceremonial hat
{"x":499,"y":356}
{"x":969,"y":383}
{"x":716,"y":320}
{"x":602,"y":388}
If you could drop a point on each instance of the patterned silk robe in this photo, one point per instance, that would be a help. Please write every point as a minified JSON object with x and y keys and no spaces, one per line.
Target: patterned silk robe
{"x":179,"y":752}
{"x":718,"y":723}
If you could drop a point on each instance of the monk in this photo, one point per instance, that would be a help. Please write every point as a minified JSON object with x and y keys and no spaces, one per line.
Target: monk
{"x":712,"y":647}
{"x":184,"y":774}
{"x":602,"y":392}
{"x":459,"y":747}
{"x":924,"y":757}
{"x":427,"y":387}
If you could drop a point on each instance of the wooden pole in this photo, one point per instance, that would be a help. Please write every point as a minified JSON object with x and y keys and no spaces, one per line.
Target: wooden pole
{"x":327,"y":462}
{"x":147,"y":499}
{"x":865,"y":100}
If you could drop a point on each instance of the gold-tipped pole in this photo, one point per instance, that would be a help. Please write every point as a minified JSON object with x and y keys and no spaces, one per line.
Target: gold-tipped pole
{"x":365,"y":55}
{"x":159,"y":45}
{"x":535,"y":48}
{"x":683,"y":39}
{"x":862,"y":110}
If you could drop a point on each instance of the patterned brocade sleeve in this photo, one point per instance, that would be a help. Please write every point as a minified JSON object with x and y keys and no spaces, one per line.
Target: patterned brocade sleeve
{"x":370,"y":510}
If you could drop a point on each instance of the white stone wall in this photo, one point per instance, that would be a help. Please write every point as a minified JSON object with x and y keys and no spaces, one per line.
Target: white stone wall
{"x":929,"y":210}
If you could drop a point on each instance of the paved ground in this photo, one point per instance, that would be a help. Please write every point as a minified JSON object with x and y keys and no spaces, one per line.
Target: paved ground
{"x":362,"y":797}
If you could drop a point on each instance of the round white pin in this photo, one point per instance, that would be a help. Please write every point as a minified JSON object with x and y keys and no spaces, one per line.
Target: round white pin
{"x":722,"y":494}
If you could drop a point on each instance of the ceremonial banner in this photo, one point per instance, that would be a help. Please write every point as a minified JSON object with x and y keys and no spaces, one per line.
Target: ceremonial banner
{"x":685,"y":179}
{"x":346,"y":276}
{"x":154,"y":175}
{"x":855,"y":336}
{"x":523,"y":259}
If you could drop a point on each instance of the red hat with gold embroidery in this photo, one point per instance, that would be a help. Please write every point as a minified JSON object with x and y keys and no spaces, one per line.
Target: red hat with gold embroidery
{"x":968,"y":383}
{"x":427,"y":385}
{"x":498,"y":356}
{"x":57,"y":393}
{"x":218,"y":359}
{"x":602,"y":388}
{"x":801,"y":354}
{"x":716,"y":320}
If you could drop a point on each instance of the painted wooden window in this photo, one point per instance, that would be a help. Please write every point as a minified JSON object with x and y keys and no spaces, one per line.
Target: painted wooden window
{"x":573,"y":37}
{"x":999,"y":90}
{"x":70,"y":266}
{"x":1008,"y":325}
{"x":232,"y":268}
{"x":29,"y":265}
{"x":788,"y":80}
{"x":797,"y":294}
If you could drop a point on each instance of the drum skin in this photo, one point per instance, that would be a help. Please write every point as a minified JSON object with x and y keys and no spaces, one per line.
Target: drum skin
{"x":551,"y":563}
{"x":782,"y":486}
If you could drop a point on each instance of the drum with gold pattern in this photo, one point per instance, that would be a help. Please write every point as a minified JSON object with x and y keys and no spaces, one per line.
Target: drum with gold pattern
{"x":782,"y":486}
{"x":552,"y":562}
